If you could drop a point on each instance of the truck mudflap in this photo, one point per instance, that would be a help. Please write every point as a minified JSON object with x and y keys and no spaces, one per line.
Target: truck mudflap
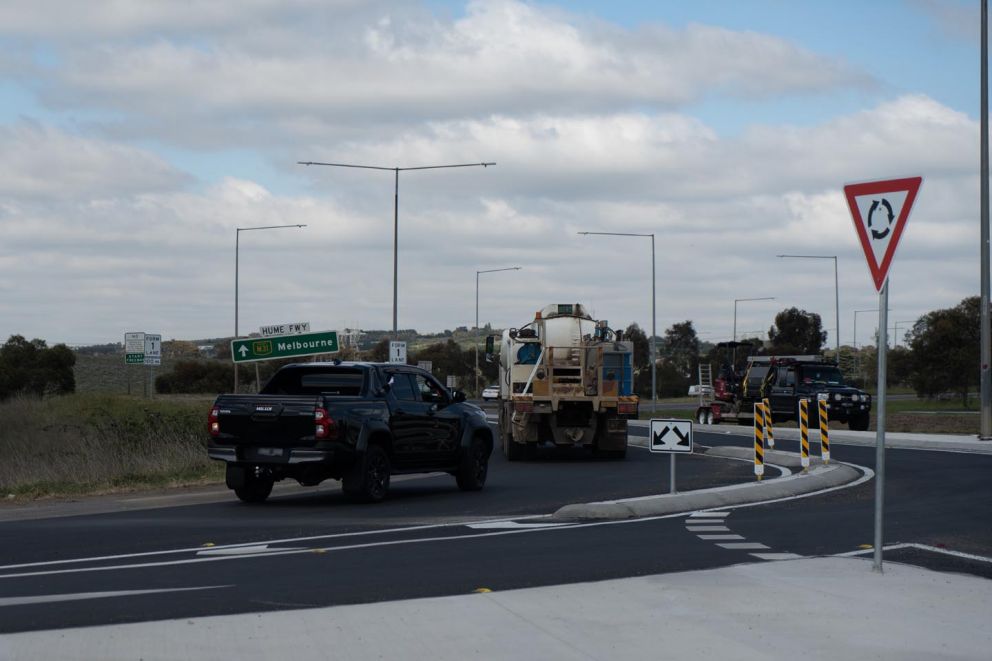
{"x":612,"y":434}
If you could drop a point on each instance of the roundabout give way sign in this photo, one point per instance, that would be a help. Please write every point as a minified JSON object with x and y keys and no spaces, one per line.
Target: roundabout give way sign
{"x":880,"y":210}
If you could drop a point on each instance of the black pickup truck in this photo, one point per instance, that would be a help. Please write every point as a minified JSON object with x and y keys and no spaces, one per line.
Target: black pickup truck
{"x":788,"y":379}
{"x":354,"y":422}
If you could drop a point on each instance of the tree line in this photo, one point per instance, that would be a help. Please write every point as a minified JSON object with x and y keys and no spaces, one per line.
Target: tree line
{"x":941,"y":356}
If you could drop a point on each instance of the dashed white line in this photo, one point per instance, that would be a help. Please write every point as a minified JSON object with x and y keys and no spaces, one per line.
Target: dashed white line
{"x":743,"y":546}
{"x":721,"y":537}
{"x":708,"y":515}
{"x":707,"y":528}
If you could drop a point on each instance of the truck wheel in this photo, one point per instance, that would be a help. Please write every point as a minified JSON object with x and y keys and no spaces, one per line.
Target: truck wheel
{"x":859,"y":422}
{"x":512,"y":450}
{"x":255,"y":490}
{"x":368,"y":479}
{"x":474,"y":467}
{"x":701,"y":416}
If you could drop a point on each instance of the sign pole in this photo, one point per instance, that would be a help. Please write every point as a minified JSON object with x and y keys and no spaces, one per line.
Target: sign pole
{"x":671,"y":477}
{"x":883,"y":341}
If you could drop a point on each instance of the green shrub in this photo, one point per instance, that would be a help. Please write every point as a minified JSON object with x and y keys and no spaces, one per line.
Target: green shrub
{"x":34,"y":368}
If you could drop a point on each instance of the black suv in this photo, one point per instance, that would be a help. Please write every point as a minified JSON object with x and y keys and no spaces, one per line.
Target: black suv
{"x":790,"y":379}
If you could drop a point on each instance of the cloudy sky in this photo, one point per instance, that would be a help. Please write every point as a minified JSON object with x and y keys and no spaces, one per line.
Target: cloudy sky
{"x":137,"y":136}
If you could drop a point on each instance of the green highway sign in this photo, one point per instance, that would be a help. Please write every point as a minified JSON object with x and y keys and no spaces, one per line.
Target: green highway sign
{"x":134,"y":359}
{"x":283,"y":346}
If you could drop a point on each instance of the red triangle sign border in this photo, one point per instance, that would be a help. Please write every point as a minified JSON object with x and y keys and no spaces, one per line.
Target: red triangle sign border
{"x":908,"y":185}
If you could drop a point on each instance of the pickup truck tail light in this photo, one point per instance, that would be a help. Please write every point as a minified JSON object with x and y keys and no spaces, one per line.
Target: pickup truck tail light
{"x":213,"y":422}
{"x":627,"y":408}
{"x":326,"y":428}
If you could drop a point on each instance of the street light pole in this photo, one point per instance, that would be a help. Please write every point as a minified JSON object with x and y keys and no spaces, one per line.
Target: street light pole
{"x":396,"y":208}
{"x":237,"y":251}
{"x":509,"y":268}
{"x":836,"y":292}
{"x":741,"y":300}
{"x":654,"y":316}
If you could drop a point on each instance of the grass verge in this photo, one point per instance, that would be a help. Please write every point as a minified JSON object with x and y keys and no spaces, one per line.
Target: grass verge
{"x":92,"y":443}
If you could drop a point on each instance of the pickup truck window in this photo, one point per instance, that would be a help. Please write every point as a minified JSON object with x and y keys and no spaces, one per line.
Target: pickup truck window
{"x":402,"y":387}
{"x":430,"y":391}
{"x":330,"y":381}
{"x":825,"y":375}
{"x":786,"y":377}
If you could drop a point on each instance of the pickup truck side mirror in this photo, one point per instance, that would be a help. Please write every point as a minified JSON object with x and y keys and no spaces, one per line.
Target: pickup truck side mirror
{"x":490,"y":348}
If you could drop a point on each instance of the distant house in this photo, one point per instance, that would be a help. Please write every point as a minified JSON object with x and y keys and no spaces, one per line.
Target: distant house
{"x":208,"y":350}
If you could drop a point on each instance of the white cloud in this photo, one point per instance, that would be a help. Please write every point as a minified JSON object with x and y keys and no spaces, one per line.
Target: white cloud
{"x":309,"y":79}
{"x":591,"y":125}
{"x":42,"y":162}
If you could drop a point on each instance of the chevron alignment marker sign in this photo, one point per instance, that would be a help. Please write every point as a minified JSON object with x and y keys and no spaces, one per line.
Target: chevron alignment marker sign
{"x":670,"y":435}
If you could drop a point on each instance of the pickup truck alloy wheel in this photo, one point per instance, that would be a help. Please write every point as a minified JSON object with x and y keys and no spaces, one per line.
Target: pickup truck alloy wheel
{"x":474,"y":467}
{"x":369,"y":479}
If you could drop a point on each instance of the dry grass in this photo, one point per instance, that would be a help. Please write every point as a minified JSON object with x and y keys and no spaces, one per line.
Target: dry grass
{"x":87,"y":443}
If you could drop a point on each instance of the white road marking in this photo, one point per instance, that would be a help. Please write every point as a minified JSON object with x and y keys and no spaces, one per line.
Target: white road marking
{"x":507,"y":525}
{"x":77,"y":596}
{"x":921,"y":547}
{"x":242,"y":550}
{"x":707,"y":528}
{"x":743,"y":546}
{"x":776,"y":556}
{"x":707,"y":515}
{"x":867,"y":474}
{"x":726,"y":538}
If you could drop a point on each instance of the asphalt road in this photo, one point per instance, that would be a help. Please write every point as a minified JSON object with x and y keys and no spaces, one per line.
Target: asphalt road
{"x":429,"y":539}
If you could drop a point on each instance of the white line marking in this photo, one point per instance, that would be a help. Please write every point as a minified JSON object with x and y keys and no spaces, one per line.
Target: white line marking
{"x":722,"y":537}
{"x":242,"y":550}
{"x":921,"y":547}
{"x":288,"y":540}
{"x":707,"y":528}
{"x":707,"y":515}
{"x":776,"y":556}
{"x":867,"y":474}
{"x":743,"y":546}
{"x":506,"y":525}
{"x":50,"y":598}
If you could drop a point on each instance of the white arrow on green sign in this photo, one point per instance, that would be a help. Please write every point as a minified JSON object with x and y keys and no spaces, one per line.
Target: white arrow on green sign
{"x":283,"y":346}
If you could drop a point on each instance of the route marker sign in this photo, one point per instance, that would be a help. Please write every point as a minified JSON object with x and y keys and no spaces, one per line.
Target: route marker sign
{"x":153,"y":349}
{"x":880,"y":210}
{"x":670,"y":436}
{"x":134,"y":348}
{"x":250,"y":350}
{"x":397,"y":352}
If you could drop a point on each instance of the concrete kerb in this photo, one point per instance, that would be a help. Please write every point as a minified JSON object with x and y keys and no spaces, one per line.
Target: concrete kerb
{"x":893,"y":440}
{"x":819,"y":477}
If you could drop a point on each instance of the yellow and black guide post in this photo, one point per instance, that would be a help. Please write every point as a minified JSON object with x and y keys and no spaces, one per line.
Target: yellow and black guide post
{"x":824,"y":433}
{"x":769,"y":432}
{"x":804,"y":433}
{"x":759,"y":440}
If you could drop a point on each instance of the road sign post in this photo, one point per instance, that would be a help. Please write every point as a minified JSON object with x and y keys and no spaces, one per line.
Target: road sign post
{"x":880,"y":210}
{"x":672,"y":437}
{"x":250,"y":350}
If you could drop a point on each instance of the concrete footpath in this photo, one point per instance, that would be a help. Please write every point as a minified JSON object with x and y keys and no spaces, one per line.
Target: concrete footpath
{"x":817,"y":608}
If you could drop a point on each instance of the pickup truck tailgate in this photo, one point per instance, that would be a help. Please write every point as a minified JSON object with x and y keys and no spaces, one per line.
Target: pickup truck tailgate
{"x":266,"y":419}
